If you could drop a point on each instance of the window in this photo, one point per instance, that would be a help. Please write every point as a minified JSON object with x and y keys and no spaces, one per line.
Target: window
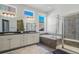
{"x":28,"y":13}
{"x":41,"y":19}
{"x":41,"y":22}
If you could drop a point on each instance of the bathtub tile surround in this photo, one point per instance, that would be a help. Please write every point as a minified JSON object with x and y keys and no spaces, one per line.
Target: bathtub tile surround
{"x":73,"y":43}
{"x":50,"y":40}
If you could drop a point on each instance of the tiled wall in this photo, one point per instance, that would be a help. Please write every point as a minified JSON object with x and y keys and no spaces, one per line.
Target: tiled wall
{"x":71,"y":27}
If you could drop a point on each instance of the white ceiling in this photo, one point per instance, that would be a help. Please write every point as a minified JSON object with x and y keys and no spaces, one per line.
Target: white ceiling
{"x":43,"y":7}
{"x":48,"y":8}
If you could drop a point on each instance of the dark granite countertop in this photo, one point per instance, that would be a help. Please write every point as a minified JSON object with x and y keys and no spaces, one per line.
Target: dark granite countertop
{"x":16,"y":33}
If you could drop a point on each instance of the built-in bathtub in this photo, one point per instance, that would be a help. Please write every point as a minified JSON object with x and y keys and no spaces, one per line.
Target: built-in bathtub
{"x":50,"y":40}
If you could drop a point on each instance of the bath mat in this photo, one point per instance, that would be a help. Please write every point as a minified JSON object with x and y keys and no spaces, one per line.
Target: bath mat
{"x":58,"y":51}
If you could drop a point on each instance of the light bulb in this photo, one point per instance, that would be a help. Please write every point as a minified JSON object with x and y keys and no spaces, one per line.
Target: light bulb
{"x":5,"y":14}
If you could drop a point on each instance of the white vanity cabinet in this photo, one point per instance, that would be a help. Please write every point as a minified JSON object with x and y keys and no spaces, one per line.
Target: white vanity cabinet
{"x":23,"y":40}
{"x":18,"y":40}
{"x":35,"y":38}
{"x":27,"y":39}
{"x":15,"y":41}
{"x":4,"y":43}
{"x":31,"y":38}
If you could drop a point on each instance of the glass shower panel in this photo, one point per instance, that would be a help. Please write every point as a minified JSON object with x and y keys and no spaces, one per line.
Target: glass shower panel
{"x":71,"y":32}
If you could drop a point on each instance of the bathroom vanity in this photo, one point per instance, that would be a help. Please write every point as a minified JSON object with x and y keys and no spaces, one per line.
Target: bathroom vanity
{"x":12,"y":41}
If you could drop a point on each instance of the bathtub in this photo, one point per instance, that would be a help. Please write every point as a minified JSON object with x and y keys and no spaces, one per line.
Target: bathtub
{"x":50,"y":40}
{"x":51,"y":37}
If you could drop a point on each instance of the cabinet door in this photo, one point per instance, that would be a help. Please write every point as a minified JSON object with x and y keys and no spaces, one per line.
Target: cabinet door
{"x":30,"y":39}
{"x":15,"y":41}
{"x":35,"y":38}
{"x":25,"y":39}
{"x":4,"y":43}
{"x":21,"y":40}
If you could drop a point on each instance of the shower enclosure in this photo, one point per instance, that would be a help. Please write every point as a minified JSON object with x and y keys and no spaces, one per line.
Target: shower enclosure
{"x":70,"y":33}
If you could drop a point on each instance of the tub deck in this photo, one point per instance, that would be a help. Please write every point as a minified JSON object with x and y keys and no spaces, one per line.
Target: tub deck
{"x":50,"y":40}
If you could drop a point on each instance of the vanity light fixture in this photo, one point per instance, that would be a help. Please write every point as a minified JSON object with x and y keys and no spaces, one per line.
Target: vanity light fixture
{"x":8,"y":14}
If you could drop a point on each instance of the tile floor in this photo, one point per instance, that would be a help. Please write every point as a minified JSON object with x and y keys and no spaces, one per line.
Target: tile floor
{"x":33,"y":49}
{"x":38,"y":49}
